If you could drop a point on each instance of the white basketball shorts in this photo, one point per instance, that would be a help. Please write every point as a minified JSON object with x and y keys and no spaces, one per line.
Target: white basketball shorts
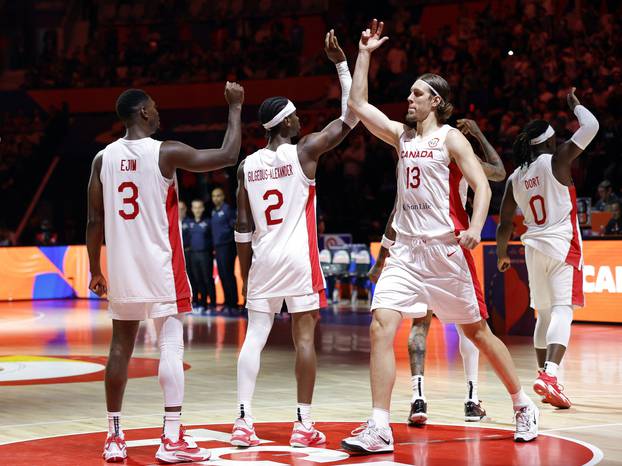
{"x":303,"y":303}
{"x":429,"y":273}
{"x":553,"y":282}
{"x":142,"y":311}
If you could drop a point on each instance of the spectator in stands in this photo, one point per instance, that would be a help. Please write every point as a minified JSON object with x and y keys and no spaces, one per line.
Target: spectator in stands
{"x":614,"y":226}
{"x":606,"y":196}
{"x":222,"y":222}
{"x":201,"y":257}
{"x":46,"y":235}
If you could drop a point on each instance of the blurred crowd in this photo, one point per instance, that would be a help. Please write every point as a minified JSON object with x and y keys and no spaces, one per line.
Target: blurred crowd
{"x":506,"y":65}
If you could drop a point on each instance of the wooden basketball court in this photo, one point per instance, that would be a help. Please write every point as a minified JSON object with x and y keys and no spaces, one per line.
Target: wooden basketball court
{"x":52,"y":355}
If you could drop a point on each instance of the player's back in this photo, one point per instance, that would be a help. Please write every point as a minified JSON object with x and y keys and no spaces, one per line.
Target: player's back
{"x":549,"y":209}
{"x":282,"y":199}
{"x":142,"y":231}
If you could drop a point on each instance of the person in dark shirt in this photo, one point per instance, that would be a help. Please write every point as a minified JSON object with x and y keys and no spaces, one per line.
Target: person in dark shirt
{"x":614,"y":226}
{"x":223,"y":220}
{"x":201,"y":254}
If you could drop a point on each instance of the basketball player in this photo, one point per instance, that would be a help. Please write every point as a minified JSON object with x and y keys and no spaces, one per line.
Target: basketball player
{"x":133,"y":199}
{"x":277,"y":245}
{"x":430,"y":262}
{"x":473,"y":411}
{"x":543,"y":189}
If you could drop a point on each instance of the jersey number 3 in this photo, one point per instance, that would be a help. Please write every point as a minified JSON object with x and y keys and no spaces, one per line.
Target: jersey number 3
{"x":539,"y":219}
{"x":129,"y":211}
{"x":277,"y":205}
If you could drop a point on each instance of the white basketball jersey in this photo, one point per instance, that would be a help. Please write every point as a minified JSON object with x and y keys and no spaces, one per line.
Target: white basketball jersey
{"x":550,"y":211}
{"x":143,"y":234}
{"x":285,"y":253}
{"x":431,"y":191}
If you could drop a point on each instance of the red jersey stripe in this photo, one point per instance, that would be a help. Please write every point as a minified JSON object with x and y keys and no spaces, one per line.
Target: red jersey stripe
{"x":483,"y":310}
{"x":182,"y":287}
{"x":574,"y":252}
{"x":314,"y":254}
{"x":457,"y":213}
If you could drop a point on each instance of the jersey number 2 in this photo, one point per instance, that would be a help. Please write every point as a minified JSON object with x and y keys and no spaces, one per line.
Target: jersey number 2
{"x":277,"y":205}
{"x":532,"y":203}
{"x":131,"y":201}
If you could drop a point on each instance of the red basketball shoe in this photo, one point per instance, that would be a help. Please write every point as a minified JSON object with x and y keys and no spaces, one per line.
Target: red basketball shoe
{"x":547,"y":387}
{"x":185,"y":450}
{"x":243,"y":435}
{"x":306,"y":437}
{"x":114,"y":449}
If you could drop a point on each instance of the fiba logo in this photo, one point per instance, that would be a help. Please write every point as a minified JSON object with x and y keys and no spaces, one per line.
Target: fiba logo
{"x":433,"y":142}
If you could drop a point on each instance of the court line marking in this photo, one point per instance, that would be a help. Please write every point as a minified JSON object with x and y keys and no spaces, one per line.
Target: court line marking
{"x":597,"y":454}
{"x":38,"y":316}
{"x":593,"y":426}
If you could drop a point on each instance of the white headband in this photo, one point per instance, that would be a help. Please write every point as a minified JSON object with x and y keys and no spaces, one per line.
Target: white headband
{"x":431,"y":88}
{"x":279,"y":117}
{"x":543,"y":137}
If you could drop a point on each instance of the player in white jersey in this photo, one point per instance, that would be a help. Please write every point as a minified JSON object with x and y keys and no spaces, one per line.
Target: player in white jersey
{"x":543,"y":189}
{"x":473,"y":410}
{"x":430,"y":263}
{"x":132,"y":199}
{"x":276,"y":236}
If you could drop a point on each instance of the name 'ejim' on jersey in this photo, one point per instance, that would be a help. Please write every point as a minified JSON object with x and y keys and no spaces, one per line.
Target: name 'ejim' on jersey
{"x":550,"y":211}
{"x":282,"y":199}
{"x":143,"y":235}
{"x":431,"y":191}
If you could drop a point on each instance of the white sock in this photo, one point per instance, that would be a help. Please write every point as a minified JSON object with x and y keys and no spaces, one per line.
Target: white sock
{"x":114,"y":424}
{"x":303,"y":412}
{"x":551,"y":368}
{"x":520,"y":400}
{"x":245,"y":412}
{"x":472,"y":391}
{"x":417,"y":384}
{"x":172,"y":421}
{"x":380,"y":417}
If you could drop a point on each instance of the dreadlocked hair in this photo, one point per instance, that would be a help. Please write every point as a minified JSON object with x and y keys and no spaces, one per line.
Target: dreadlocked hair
{"x":521,"y":150}
{"x":269,"y":108}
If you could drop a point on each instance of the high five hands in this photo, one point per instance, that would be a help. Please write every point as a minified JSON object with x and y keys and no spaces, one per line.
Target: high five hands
{"x":332,"y":49}
{"x":370,"y":38}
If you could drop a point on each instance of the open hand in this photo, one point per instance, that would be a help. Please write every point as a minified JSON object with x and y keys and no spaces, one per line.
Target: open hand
{"x":468,"y":127}
{"x":332,"y":49}
{"x":370,"y":38}
{"x":98,"y":285}
{"x":572,"y":99}
{"x":234,"y":93}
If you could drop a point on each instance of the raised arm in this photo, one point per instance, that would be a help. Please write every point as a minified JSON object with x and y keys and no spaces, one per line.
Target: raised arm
{"x":506,"y":226}
{"x":95,"y":227}
{"x":462,"y":152}
{"x":571,"y":149}
{"x":174,"y":154}
{"x":374,"y":120}
{"x":313,"y":145}
{"x":244,"y":229}
{"x":493,"y":166}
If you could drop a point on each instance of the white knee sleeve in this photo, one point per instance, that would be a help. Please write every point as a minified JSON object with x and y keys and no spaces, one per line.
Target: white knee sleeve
{"x":542,"y":326}
{"x":170,"y":331}
{"x":559,"y":328}
{"x":470,"y":356}
{"x":259,"y":326}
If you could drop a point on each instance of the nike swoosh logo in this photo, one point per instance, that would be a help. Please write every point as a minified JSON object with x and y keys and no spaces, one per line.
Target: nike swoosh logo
{"x":388,"y":442}
{"x":451,"y":254}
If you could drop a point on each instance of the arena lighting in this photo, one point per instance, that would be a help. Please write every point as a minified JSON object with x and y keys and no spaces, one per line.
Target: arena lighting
{"x":510,"y":52}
